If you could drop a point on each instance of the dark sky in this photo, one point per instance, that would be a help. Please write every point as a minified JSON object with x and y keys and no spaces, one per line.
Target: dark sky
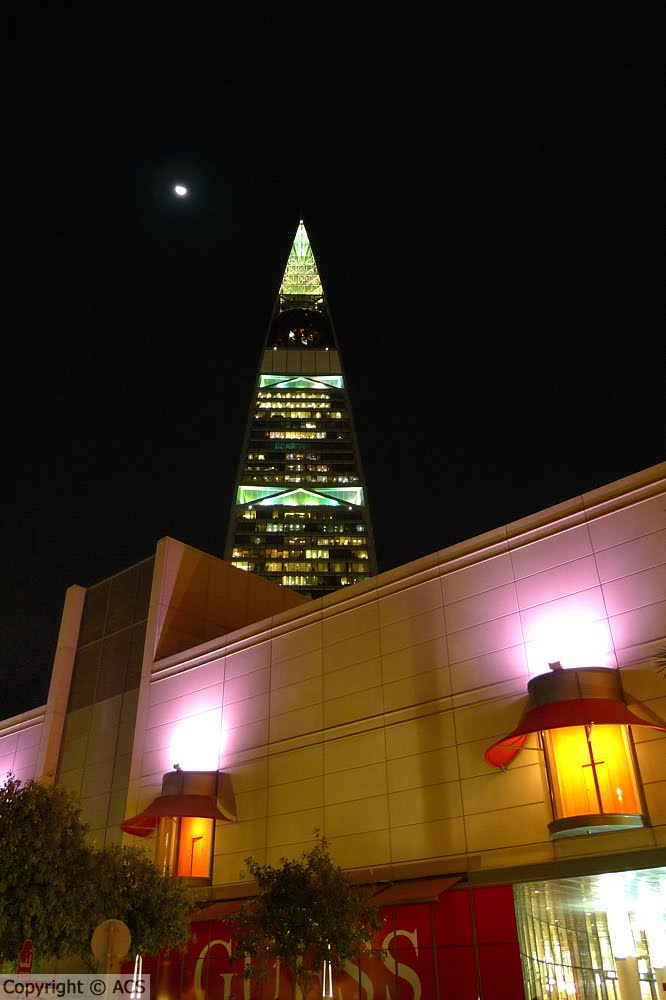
{"x":485,"y":200}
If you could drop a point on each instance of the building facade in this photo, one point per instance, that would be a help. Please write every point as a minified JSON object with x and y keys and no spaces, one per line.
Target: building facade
{"x":479,"y":734}
{"x":300,"y":513}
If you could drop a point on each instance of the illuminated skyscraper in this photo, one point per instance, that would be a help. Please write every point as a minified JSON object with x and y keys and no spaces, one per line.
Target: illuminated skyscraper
{"x":300,"y":514}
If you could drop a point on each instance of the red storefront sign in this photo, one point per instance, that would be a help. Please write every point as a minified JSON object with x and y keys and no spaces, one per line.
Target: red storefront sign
{"x":459,"y":947}
{"x":24,"y":966}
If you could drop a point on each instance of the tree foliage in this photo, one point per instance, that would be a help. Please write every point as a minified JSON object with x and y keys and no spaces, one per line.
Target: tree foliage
{"x":302,"y":908}
{"x":55,"y":887}
{"x":661,"y":661}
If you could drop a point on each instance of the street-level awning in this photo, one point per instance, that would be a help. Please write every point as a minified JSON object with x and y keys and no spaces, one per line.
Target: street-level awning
{"x":559,"y":715}
{"x":425,"y":890}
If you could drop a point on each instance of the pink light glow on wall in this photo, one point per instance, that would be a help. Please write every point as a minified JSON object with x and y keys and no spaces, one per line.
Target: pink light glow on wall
{"x":574,"y":637}
{"x":196,"y":742}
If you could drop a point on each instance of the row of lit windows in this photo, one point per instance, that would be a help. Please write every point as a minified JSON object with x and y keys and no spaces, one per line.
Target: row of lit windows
{"x":300,"y":415}
{"x":279,"y":404}
{"x":315,"y":581}
{"x":285,"y":394}
{"x":300,"y":478}
{"x":295,"y":435}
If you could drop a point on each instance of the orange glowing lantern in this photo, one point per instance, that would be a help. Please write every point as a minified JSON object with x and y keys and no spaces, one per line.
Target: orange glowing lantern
{"x":584,"y":727}
{"x":184,"y":816}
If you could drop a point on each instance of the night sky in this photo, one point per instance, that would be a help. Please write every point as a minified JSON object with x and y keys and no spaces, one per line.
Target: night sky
{"x":485,"y":201}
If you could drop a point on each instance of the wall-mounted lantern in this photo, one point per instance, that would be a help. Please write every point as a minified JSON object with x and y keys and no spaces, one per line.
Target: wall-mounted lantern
{"x":184,"y":816}
{"x":583,"y":725}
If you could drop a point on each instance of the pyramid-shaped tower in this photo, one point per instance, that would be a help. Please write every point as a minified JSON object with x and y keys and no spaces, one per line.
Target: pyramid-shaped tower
{"x":300,"y":513}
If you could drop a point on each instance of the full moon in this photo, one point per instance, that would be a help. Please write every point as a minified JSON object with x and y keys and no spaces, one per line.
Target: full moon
{"x":180,"y":190}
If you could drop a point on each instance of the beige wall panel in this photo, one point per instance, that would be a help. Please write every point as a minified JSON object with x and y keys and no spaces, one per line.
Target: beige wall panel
{"x":364,"y":674}
{"x":412,"y":631}
{"x":297,"y":668}
{"x":602,"y":844}
{"x":640,"y":625}
{"x":407,"y":603}
{"x":489,"y":720}
{"x":245,"y":661}
{"x":507,"y":827}
{"x":421,"y":658}
{"x":247,"y":686}
{"x":361,"y":850}
{"x":652,"y":759}
{"x":26,"y":757}
{"x":351,"y":651}
{"x":94,"y":811}
{"x":489,"y":669}
{"x":425,"y":805}
{"x":484,"y":638}
{"x":184,"y":683}
{"x":561,"y":547}
{"x":24,"y":774}
{"x":297,"y":643}
{"x":632,"y":522}
{"x":72,"y":753}
{"x":420,"y":735}
{"x":350,"y":784}
{"x":242,"y":837}
{"x":294,"y":796}
{"x":296,"y":696}
{"x":481,"y":608}
{"x":249,"y":776}
{"x":296,"y":765}
{"x":568,"y":578}
{"x":185,"y":706}
{"x":357,"y":816}
{"x":441,"y":838}
{"x":632,"y":556}
{"x":636,"y":591}
{"x":290,"y":724}
{"x":241,"y":713}
{"x":78,"y":723}
{"x":9,"y":744}
{"x":116,"y":813}
{"x":240,"y":739}
{"x":121,"y":773}
{"x":29,"y":737}
{"x":160,"y":737}
{"x":341,"y":625}
{"x":295,"y":828}
{"x":71,"y":779}
{"x":228,"y":866}
{"x":472,"y":762}
{"x":416,"y":690}
{"x":520,"y":787}
{"x":461,"y":584}
{"x":587,"y":604}
{"x":252,"y":805}
{"x":353,"y":707}
{"x":423,"y":769}
{"x":97,"y":777}
{"x":655,"y":797}
{"x":157,"y":762}
{"x":353,"y":751}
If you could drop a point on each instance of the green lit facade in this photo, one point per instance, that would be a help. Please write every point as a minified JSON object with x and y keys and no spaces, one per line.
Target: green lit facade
{"x":300,"y":512}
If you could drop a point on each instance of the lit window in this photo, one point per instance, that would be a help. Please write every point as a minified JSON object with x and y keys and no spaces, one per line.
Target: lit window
{"x":185,"y":846}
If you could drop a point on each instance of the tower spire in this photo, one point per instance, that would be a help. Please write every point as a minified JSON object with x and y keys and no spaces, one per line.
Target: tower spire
{"x":299,"y":513}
